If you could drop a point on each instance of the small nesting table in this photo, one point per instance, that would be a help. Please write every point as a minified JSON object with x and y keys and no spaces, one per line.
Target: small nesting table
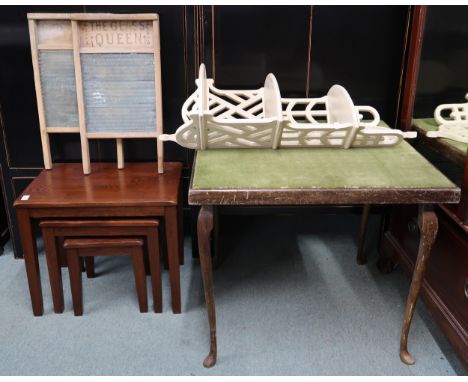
{"x":137,"y":191}
{"x":54,"y":231}
{"x":77,"y":248}
{"x":320,"y":176}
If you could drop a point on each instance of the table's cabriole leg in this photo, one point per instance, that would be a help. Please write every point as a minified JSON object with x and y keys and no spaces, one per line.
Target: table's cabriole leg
{"x":204,"y":228}
{"x":28,"y":241}
{"x":361,"y":257}
{"x":428,"y":226}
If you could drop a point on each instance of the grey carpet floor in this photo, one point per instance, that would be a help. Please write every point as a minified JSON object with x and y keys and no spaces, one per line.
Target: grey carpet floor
{"x":290,"y":300}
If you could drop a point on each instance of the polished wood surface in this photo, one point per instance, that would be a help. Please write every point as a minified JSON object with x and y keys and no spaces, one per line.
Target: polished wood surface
{"x":139,"y":184}
{"x":100,"y":223}
{"x":108,"y":242}
{"x":87,"y":247}
{"x":137,"y":191}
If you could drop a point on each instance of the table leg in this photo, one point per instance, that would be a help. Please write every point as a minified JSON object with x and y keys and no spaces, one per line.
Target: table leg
{"x":361,"y":257}
{"x":28,"y":241}
{"x":163,"y":244}
{"x":180,"y":225}
{"x":154,"y":263}
{"x":54,"y":268}
{"x":60,"y":252}
{"x":204,"y":228}
{"x":172,"y":242}
{"x":76,"y":282}
{"x":140,"y":278}
{"x":428,"y":225}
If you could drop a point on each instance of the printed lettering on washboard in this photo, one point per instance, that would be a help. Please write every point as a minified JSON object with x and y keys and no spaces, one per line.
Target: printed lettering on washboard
{"x":117,"y":64}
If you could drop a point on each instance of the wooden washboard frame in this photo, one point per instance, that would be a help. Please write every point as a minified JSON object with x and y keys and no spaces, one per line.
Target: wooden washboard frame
{"x":96,"y":35}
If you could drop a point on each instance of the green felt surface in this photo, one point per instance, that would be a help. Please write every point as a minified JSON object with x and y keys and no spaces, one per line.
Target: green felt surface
{"x":400,"y":166}
{"x":429,"y":124}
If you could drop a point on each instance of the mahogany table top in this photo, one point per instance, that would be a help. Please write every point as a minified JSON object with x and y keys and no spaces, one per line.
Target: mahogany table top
{"x":138,"y":184}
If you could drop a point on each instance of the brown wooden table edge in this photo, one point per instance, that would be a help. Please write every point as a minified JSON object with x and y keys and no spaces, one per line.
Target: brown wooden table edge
{"x":323,"y":196}
{"x":32,"y":205}
{"x":178,"y":167}
{"x":100,"y":223}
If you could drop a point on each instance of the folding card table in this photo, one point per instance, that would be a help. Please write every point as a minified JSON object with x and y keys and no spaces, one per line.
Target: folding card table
{"x":390,"y":175}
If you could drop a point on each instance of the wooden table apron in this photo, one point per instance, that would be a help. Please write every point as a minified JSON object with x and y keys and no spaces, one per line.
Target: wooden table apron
{"x":427,"y":221}
{"x":26,"y":216}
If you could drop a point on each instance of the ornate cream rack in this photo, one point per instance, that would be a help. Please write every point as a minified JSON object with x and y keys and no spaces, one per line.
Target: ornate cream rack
{"x":215,"y":118}
{"x":454,"y":127}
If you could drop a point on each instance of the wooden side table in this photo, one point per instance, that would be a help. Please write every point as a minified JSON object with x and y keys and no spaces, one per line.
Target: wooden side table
{"x":121,"y":228}
{"x":137,"y":191}
{"x":109,"y":246}
{"x":394,"y":175}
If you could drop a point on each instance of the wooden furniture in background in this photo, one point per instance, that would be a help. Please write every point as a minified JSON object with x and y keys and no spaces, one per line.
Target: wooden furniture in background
{"x":99,"y":75}
{"x":315,"y":177}
{"x":135,"y":192}
{"x":435,"y":75}
{"x":53,"y":230}
{"x":456,"y":152}
{"x":445,"y":288}
{"x":86,"y":247}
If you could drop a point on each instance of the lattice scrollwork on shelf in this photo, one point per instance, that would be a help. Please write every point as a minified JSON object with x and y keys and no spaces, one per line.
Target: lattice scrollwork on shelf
{"x":215,"y":118}
{"x":453,"y":121}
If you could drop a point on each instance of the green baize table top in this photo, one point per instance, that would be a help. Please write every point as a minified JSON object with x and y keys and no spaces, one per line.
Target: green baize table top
{"x":399,"y":166}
